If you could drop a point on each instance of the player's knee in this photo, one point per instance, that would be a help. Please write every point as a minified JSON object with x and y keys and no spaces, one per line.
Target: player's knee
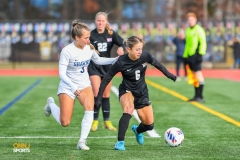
{"x":128,"y":110}
{"x":88,"y":107}
{"x":65,"y":123}
{"x":149,"y":127}
{"x":106,"y":95}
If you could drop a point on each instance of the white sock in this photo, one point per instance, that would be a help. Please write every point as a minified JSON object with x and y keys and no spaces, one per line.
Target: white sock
{"x":86,"y":125}
{"x":55,"y":112}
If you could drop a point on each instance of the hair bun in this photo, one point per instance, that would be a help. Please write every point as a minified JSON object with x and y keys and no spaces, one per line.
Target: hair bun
{"x":74,"y":23}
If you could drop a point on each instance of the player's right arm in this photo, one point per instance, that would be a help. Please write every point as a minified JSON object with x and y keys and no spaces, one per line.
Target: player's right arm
{"x":63,"y":64}
{"x":188,"y":39}
{"x":115,"y":68}
{"x":93,"y":39}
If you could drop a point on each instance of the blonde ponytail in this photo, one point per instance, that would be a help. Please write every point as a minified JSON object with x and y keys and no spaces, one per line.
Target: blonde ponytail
{"x":93,"y":48}
{"x":110,"y":31}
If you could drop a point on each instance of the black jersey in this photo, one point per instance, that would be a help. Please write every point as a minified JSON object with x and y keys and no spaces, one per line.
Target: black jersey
{"x":133,"y":73}
{"x":103,"y":42}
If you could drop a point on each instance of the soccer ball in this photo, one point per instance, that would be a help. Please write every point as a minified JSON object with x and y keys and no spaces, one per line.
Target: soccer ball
{"x":174,"y":137}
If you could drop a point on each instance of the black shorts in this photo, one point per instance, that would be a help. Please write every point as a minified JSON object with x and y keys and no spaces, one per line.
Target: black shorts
{"x":195,"y":62}
{"x":140,"y":101}
{"x":100,"y":70}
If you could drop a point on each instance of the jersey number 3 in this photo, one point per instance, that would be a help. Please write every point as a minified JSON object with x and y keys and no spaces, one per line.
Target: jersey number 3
{"x":82,"y":70}
{"x":102,"y":47}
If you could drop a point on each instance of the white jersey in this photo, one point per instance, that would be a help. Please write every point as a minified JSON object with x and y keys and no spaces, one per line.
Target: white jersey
{"x":77,"y":61}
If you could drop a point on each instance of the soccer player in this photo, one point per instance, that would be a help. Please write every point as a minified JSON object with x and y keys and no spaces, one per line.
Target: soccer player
{"x":103,"y":38}
{"x":133,"y":91}
{"x":75,"y":82}
{"x":195,"y":48}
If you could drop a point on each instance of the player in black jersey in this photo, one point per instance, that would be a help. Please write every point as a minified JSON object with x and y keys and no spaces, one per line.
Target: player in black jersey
{"x":103,"y":38}
{"x":133,"y":91}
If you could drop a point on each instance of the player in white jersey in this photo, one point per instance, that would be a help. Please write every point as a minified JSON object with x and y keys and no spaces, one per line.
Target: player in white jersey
{"x":75,"y":82}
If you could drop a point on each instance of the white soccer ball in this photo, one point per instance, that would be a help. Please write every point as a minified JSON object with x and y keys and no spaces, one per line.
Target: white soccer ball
{"x":174,"y":137}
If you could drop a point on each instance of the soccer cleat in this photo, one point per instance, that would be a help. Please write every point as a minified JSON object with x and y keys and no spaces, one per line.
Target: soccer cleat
{"x":196,"y":99}
{"x":108,"y":125}
{"x":200,"y":100}
{"x":139,"y":137}
{"x":192,"y":99}
{"x":47,"y":109}
{"x":82,"y":145}
{"x":119,"y":146}
{"x":178,"y":79}
{"x":94,"y":125}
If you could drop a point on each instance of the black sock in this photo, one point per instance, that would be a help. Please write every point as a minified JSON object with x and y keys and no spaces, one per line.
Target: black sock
{"x":196,"y":92}
{"x":106,"y":109}
{"x":201,"y":90}
{"x":141,"y":128}
{"x":123,"y":126}
{"x":96,"y":112}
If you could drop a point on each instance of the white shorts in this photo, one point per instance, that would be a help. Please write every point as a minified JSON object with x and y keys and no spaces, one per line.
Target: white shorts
{"x":62,"y":88}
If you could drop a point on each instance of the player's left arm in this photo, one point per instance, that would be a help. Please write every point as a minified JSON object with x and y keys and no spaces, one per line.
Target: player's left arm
{"x":117,"y":40}
{"x":202,"y":41}
{"x":153,"y":61}
{"x":102,"y":60}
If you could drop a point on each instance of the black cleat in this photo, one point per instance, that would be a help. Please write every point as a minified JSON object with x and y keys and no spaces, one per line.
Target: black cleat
{"x":192,"y":99}
{"x":198,"y":99}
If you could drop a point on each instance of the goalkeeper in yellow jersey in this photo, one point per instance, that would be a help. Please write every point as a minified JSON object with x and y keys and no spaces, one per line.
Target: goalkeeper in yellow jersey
{"x":195,"y":48}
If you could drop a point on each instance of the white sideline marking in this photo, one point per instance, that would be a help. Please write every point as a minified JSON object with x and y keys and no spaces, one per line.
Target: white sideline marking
{"x":151,"y":133}
{"x":54,"y":137}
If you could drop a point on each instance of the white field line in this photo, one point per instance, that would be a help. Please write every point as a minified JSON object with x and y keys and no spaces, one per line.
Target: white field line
{"x":151,"y":133}
{"x":60,"y":137}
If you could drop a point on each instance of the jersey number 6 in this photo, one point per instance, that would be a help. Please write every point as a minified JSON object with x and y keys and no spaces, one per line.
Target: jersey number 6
{"x":137,"y":74}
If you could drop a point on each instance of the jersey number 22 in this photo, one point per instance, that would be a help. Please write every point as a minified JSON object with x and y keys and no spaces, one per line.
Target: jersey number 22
{"x":102,"y":47}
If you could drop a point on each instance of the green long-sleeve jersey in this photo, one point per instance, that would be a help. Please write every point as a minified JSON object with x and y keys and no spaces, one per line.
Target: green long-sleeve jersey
{"x":195,"y":41}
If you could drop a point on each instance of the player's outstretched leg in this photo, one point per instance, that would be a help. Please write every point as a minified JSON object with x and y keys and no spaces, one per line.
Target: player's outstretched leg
{"x":139,"y":136}
{"x":82,"y":145}
{"x":47,"y":109}
{"x":119,"y":146}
